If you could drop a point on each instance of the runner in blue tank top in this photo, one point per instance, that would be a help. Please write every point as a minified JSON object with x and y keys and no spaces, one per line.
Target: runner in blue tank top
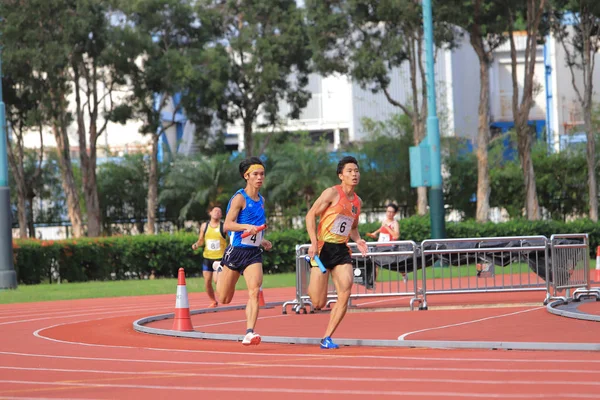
{"x":243,"y":256}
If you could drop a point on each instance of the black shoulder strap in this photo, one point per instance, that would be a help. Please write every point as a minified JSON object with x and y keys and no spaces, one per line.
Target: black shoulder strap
{"x":220,"y":228}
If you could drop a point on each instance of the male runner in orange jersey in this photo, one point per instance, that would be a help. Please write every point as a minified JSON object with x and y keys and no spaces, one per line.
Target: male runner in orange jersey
{"x":338,"y":208}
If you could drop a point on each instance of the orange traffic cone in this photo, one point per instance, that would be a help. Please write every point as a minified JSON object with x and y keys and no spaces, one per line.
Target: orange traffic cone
{"x":597,"y":276}
{"x":261,"y":298}
{"x":182,"y":320}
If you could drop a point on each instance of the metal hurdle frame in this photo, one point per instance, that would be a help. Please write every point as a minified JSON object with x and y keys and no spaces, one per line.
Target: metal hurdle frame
{"x":557,"y":258}
{"x":570,"y":269}
{"x":387,"y":288}
{"x":440,"y":255}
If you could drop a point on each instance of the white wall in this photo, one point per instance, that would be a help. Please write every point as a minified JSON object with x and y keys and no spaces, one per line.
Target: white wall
{"x":568,"y":107}
{"x":465,"y":84}
{"x":376,"y":106}
{"x":116,"y":136}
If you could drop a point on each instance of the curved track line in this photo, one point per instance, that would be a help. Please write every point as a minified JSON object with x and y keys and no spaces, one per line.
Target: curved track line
{"x":38,"y":334}
{"x":402,"y":337}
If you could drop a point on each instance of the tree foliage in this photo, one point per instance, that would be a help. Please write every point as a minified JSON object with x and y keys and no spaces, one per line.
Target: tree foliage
{"x":268,"y":56}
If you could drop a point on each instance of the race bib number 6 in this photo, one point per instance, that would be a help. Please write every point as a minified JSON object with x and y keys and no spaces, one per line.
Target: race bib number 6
{"x":342,"y":225}
{"x":253,"y":240}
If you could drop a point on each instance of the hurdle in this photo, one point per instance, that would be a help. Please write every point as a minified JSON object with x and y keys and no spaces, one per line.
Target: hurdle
{"x":377,"y":274}
{"x":461,"y":266}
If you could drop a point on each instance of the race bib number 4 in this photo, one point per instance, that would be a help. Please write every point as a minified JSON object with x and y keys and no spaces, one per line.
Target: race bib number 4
{"x":342,"y":225}
{"x":253,"y":240}
{"x":214,"y":245}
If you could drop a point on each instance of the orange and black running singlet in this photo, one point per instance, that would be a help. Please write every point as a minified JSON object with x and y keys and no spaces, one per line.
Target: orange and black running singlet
{"x":337,"y":220}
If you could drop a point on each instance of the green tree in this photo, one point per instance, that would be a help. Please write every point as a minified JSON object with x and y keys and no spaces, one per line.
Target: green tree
{"x":171,"y":53}
{"x":23,"y":114}
{"x":268,"y":60}
{"x":385,"y":166}
{"x":369,"y":40}
{"x":581,"y":43}
{"x":461,"y":182}
{"x":120,"y":183}
{"x":98,"y":66}
{"x":298,"y":171}
{"x":483,"y":21}
{"x":529,"y":13}
{"x":193,"y":184}
{"x":35,"y":37}
{"x":561,"y":180}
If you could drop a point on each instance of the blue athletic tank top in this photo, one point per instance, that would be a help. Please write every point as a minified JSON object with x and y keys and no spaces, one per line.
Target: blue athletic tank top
{"x":253,"y":214}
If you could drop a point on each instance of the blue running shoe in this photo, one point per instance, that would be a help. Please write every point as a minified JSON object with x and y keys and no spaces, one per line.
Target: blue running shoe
{"x":327,"y":343}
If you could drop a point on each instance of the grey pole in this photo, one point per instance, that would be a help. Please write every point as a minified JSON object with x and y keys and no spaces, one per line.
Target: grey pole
{"x":8,"y":276}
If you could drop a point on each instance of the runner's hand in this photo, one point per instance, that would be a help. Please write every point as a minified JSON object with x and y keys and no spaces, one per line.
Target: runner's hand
{"x":362,"y":246}
{"x":312,"y":251}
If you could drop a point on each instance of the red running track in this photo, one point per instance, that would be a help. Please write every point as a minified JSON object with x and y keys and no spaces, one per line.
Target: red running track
{"x":87,"y":349}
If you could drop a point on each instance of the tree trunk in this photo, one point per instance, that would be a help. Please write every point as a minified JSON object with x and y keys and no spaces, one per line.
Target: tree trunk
{"x":16,"y":165}
{"x":591,"y":164}
{"x":153,"y":186}
{"x":88,"y":161}
{"x":90,"y":188}
{"x":92,"y":203}
{"x":532,"y":209}
{"x":521,"y":109}
{"x":68,"y":181}
{"x":483,"y":133}
{"x":22,"y":213}
{"x":30,"y":224}
{"x":248,"y":141}
{"x":589,"y":53}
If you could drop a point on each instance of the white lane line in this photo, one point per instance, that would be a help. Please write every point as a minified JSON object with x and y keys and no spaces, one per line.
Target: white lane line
{"x":44,"y":398}
{"x":59,"y":314}
{"x":240,"y":363}
{"x":382,"y":301}
{"x":403,"y":336}
{"x":239,"y":321}
{"x":38,"y":334}
{"x":130,"y":311}
{"x":310,"y":377}
{"x":314,"y":391}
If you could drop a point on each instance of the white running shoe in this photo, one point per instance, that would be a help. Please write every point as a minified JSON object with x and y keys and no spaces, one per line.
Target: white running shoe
{"x":251,"y":338}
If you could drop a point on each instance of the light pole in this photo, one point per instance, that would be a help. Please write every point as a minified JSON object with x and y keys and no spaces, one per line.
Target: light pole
{"x":8,"y":276}
{"x":436,"y":194}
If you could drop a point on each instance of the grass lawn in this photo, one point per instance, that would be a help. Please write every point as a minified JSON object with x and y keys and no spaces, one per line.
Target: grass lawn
{"x":88,"y":290}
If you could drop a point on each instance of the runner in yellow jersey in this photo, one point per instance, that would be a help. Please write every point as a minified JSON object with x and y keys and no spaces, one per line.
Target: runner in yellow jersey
{"x":338,"y":208}
{"x":212,"y":237}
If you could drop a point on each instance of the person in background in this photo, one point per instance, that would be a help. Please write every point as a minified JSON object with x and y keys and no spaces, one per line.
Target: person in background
{"x":213,"y":238}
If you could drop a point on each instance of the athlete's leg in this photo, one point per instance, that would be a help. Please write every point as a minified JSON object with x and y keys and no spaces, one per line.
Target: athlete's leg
{"x":342,"y":279}
{"x":208,"y":277}
{"x":226,"y":285}
{"x":253,"y":275}
{"x":317,"y":287}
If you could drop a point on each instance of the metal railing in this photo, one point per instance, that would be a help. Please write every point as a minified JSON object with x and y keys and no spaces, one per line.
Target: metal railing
{"x":461,"y":266}
{"x":388,"y":269}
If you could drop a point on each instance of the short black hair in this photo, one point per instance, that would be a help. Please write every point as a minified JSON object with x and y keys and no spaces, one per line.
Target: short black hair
{"x":394,"y":206}
{"x":245,"y":164}
{"x":344,"y":161}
